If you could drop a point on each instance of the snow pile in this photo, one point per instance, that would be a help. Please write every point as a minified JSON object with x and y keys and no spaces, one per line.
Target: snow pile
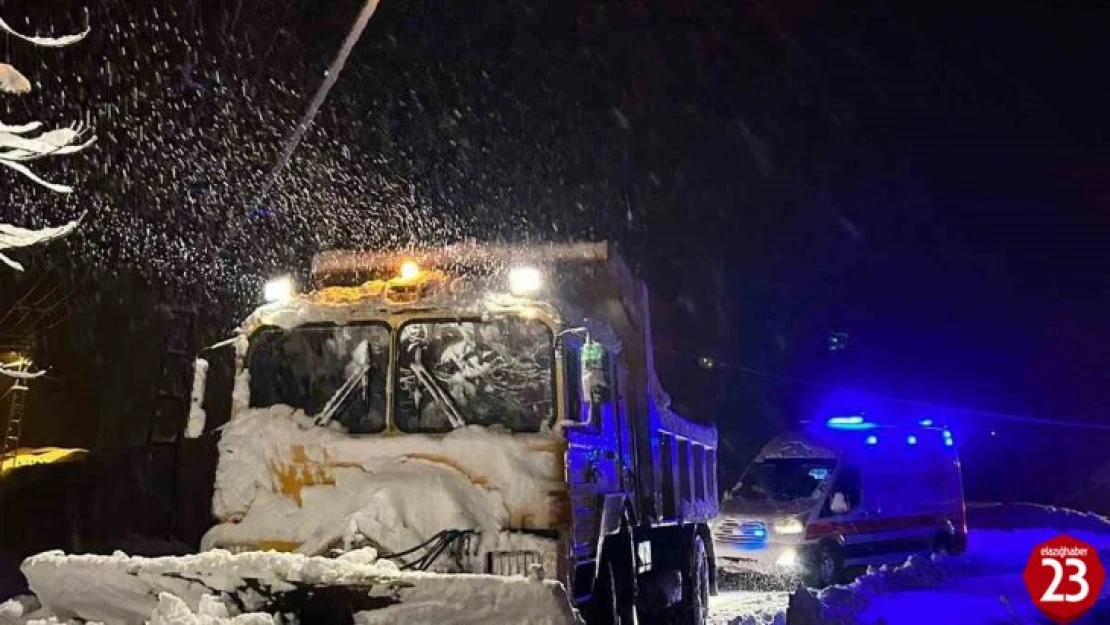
{"x":748,"y":607}
{"x":11,"y":612}
{"x":25,"y":610}
{"x":172,"y":610}
{"x":1030,"y":515}
{"x":842,"y":605}
{"x":217,"y":587}
{"x":992,"y":553}
{"x":281,"y":480}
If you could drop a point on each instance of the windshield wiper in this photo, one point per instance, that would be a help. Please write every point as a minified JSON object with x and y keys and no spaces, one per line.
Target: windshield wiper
{"x":428,"y":381}
{"x":339,"y":398}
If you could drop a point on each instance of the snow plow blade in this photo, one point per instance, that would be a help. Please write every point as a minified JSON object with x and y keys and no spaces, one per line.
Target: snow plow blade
{"x":353,"y":588}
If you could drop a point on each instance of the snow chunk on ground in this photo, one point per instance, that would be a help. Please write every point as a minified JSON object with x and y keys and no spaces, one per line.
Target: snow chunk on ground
{"x":173,"y":611}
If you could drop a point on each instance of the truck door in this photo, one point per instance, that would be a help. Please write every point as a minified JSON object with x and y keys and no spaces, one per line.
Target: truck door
{"x":593,"y":455}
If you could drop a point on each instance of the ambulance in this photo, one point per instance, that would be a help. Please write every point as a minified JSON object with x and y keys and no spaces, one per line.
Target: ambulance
{"x":840,"y":495}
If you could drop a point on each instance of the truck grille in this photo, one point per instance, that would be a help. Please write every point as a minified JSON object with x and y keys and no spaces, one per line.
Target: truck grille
{"x":512,"y":563}
{"x":742,"y":533}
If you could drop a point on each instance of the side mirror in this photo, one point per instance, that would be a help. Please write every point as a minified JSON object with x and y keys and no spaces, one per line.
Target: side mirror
{"x":590,"y":367}
{"x":197,"y":416}
{"x":595,"y":375}
{"x":839,"y":504}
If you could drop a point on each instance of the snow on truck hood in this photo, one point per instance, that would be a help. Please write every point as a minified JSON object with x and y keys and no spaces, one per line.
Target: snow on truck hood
{"x":285,"y":484}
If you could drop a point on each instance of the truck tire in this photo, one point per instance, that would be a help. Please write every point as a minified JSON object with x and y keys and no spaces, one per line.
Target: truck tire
{"x":613,"y":603}
{"x":696,"y":584}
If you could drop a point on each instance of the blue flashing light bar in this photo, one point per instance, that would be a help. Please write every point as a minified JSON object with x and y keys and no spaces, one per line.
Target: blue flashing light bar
{"x":872,"y":440}
{"x":819,"y":473}
{"x":849,"y":423}
{"x":926,"y":422}
{"x":911,"y":439}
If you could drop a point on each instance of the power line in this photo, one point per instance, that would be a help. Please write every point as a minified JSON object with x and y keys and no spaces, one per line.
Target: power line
{"x":1002,"y":416}
{"x":321,"y":94}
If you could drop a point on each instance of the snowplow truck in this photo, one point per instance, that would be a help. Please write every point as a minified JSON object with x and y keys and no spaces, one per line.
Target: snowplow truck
{"x":474,"y":409}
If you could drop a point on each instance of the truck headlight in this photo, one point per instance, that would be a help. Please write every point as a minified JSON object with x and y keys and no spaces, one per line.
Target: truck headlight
{"x":791,"y":525}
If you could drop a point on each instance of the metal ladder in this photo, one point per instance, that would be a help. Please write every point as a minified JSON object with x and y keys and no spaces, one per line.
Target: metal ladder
{"x":166,"y":428}
{"x":14,"y":429}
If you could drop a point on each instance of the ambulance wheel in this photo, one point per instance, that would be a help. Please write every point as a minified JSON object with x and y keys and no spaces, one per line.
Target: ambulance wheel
{"x":944,"y":544}
{"x":828,"y":567}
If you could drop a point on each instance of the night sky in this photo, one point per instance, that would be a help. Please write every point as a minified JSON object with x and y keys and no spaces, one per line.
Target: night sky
{"x":930,"y":178}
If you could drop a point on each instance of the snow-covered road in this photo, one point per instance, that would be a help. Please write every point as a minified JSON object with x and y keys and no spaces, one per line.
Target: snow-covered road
{"x":734,"y":606}
{"x":983,"y":587}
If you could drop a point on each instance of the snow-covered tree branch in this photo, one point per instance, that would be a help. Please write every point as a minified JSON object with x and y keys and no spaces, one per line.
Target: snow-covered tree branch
{"x":19,"y":144}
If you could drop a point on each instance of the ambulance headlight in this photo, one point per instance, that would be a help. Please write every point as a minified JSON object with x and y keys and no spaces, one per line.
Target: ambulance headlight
{"x":790,"y":525}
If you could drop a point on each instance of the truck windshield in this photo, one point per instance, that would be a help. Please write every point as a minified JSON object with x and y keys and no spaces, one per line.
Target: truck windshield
{"x":496,"y":372}
{"x":784,"y":479}
{"x":336,"y":374}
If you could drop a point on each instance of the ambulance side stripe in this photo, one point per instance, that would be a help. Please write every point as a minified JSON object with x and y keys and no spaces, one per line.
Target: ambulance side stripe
{"x":821,"y":529}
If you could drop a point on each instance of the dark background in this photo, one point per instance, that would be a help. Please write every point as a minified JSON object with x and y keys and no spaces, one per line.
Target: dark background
{"x":931,"y":179}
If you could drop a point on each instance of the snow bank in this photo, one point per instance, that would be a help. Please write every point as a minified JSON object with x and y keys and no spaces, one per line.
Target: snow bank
{"x":842,"y":605}
{"x":246,"y":589}
{"x":991,"y":553}
{"x":1030,"y":515}
{"x":282,"y":481}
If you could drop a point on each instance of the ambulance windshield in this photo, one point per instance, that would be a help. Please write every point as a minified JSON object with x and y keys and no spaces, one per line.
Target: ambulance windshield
{"x":784,"y":479}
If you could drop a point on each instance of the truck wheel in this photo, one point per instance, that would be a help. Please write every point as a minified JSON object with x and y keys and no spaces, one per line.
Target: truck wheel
{"x":613,"y":604}
{"x":696,"y":589}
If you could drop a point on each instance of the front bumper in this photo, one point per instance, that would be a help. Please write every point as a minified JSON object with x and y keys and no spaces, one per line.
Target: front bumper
{"x":766,"y":559}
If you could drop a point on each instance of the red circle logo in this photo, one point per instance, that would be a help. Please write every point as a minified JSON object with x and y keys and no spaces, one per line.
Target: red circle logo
{"x":1064,"y":577}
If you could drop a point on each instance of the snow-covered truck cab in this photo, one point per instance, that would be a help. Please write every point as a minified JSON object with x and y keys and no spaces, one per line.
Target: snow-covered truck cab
{"x":473,"y":409}
{"x":843,"y":494}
